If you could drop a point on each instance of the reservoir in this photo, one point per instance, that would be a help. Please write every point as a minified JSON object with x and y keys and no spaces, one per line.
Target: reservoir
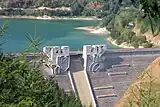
{"x":52,"y":32}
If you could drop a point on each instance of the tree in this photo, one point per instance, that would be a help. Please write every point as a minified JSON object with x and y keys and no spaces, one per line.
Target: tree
{"x":106,"y":20}
{"x":23,"y":85}
{"x":152,"y":10}
{"x":2,"y":31}
{"x":77,"y":8}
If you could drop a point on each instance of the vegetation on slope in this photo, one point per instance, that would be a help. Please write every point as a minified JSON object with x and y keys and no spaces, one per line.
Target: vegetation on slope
{"x":152,"y":11}
{"x":145,"y":16}
{"x":99,"y":8}
{"x":144,"y":92}
{"x":122,"y":27}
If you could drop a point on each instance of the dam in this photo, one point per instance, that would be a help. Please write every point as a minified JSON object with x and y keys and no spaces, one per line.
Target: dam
{"x":97,"y":75}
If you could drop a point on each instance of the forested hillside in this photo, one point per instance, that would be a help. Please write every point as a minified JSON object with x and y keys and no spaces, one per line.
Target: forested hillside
{"x":144,"y":16}
{"x":99,"y":8}
{"x":120,"y":17}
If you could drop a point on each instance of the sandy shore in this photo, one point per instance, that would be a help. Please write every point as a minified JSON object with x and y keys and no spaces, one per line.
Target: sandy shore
{"x":103,"y":31}
{"x":94,"y":30}
{"x":49,"y":18}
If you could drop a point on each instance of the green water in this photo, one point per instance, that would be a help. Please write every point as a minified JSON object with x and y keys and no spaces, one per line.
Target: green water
{"x":55,"y":32}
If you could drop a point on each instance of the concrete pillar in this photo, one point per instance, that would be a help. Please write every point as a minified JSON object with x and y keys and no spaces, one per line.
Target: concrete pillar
{"x":47,"y":50}
{"x":52,"y":54}
{"x":87,"y":50}
{"x":65,"y":58}
{"x":65,"y":50}
{"x":92,"y":56}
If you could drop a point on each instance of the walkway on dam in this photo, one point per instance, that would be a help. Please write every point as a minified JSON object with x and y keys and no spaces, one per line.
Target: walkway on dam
{"x":82,"y":87}
{"x":81,"y":82}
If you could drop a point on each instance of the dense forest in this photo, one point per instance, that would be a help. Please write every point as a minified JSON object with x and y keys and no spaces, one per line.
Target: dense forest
{"x":22,"y":85}
{"x":99,"y":8}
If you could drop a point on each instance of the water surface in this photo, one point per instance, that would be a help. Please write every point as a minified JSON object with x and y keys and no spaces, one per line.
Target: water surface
{"x":53,"y":32}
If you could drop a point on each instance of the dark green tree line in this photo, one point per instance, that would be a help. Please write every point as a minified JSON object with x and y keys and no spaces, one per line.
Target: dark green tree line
{"x":99,"y":8}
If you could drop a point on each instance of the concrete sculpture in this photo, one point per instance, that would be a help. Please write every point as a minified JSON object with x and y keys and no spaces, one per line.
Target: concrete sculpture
{"x":93,"y":57}
{"x":59,"y":58}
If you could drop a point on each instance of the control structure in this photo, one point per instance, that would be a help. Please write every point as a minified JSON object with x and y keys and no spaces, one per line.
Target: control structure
{"x":93,"y":57}
{"x":58,"y":58}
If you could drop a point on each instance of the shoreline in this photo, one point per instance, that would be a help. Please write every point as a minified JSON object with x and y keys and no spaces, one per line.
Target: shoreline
{"x":123,"y":45}
{"x":91,"y":29}
{"x":103,"y":31}
{"x":48,"y":18}
{"x":94,"y":30}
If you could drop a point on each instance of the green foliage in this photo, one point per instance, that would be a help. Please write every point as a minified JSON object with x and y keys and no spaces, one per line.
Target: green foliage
{"x":129,"y":37}
{"x":119,"y":41}
{"x":145,"y":24}
{"x":2,"y":31}
{"x":148,"y":94}
{"x":122,"y":32}
{"x":124,"y":17}
{"x":77,"y":8}
{"x":106,"y":21}
{"x":152,"y":11}
{"x":89,"y":12}
{"x":3,"y":28}
{"x":128,"y":12}
{"x":23,"y":85}
{"x":147,"y":45}
{"x":34,"y":42}
{"x":110,"y":25}
{"x":114,"y":34}
{"x":143,"y":29}
{"x":99,"y":8}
